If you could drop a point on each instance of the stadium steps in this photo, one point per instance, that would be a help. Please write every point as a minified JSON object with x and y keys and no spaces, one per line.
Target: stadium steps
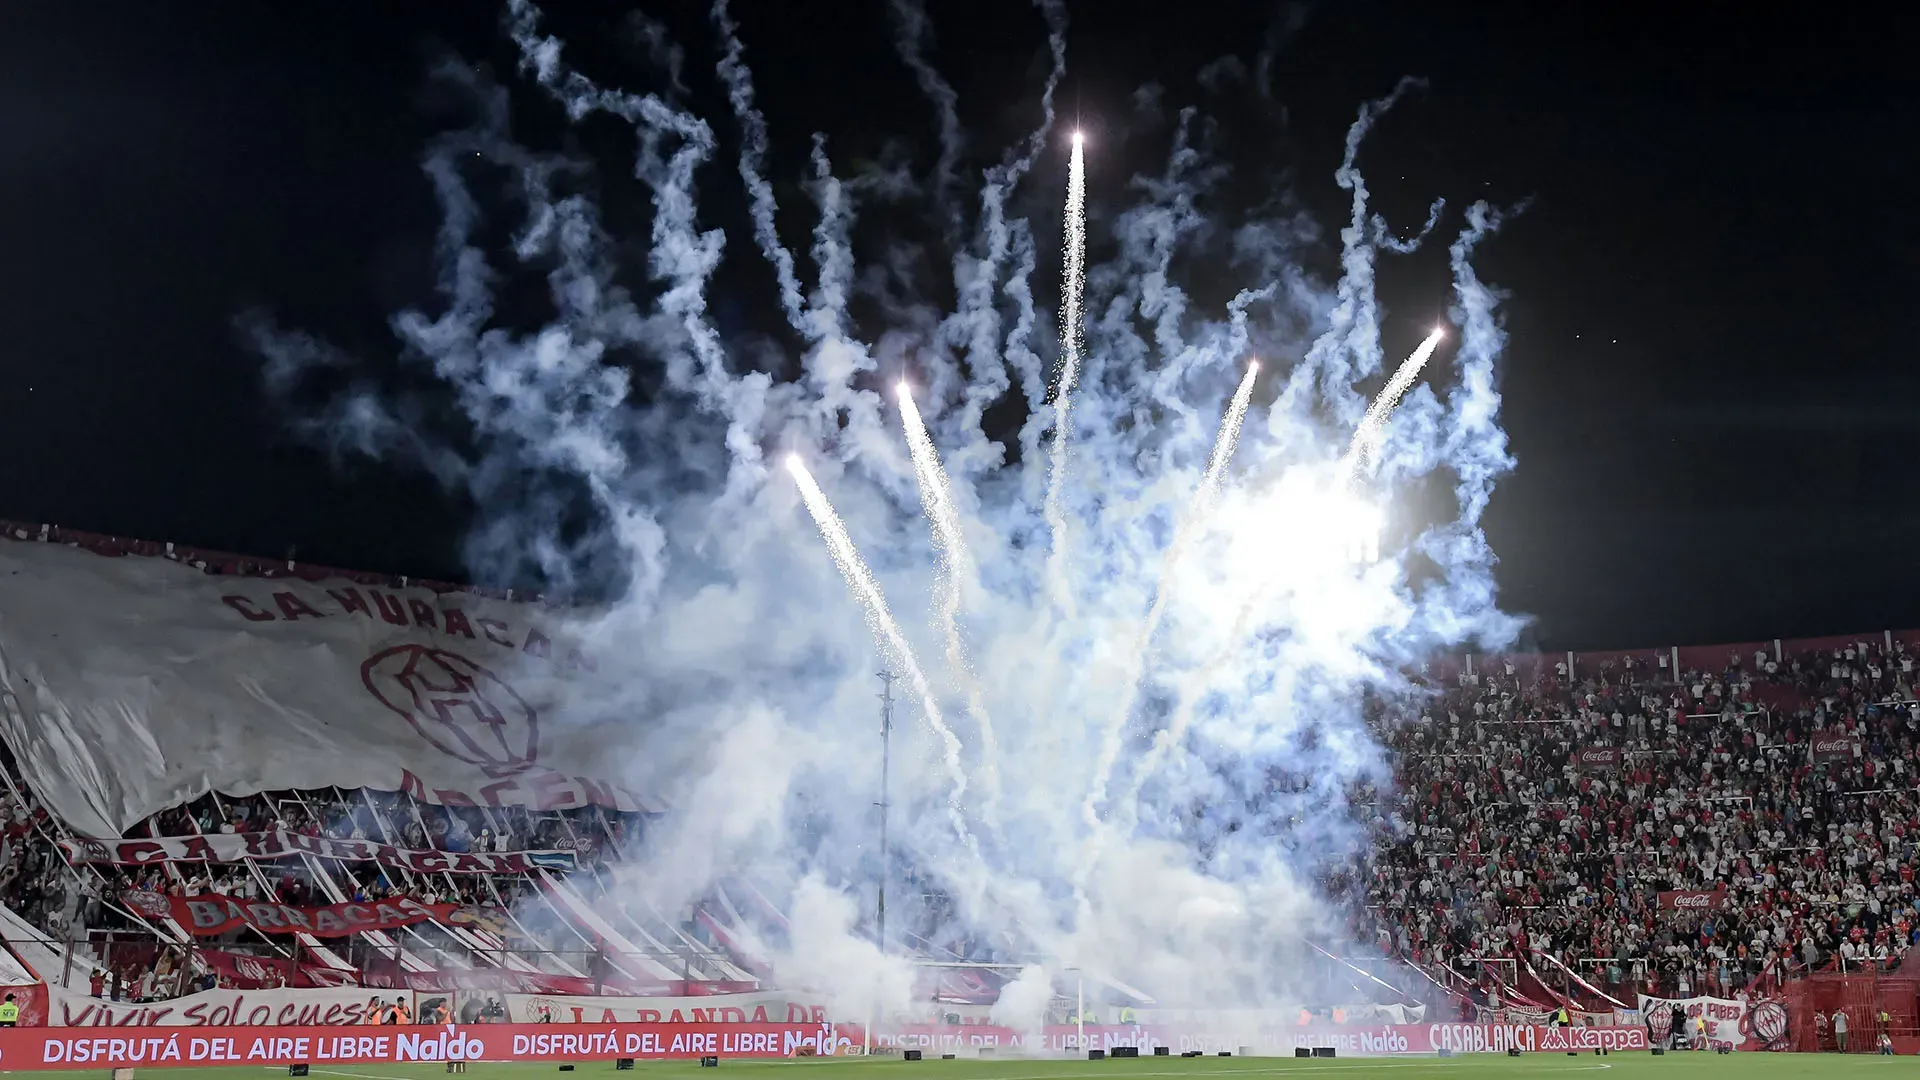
{"x":317,"y":950}
{"x":377,"y":938}
{"x":622,"y":953}
{"x":480,"y":943}
{"x":31,"y":953}
{"x":730,"y":940}
{"x":454,"y":947}
{"x":658,"y":931}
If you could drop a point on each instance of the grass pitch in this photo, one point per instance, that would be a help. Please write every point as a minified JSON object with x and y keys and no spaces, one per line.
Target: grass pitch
{"x":1622,"y":1066}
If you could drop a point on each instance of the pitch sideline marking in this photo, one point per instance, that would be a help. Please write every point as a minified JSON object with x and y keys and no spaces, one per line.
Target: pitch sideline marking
{"x":1282,"y":1070}
{"x":1275,"y":1070}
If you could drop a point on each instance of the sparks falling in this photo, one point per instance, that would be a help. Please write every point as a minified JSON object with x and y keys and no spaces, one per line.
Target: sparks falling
{"x":936,"y":498}
{"x":886,"y":631}
{"x":1088,"y":570}
{"x":1073,"y":288}
{"x":1192,"y":524}
{"x":1373,"y":427}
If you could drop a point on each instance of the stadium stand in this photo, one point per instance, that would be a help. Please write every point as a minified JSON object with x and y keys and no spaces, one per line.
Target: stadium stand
{"x":542,"y":932}
{"x":1562,"y":830}
{"x":1580,"y":830}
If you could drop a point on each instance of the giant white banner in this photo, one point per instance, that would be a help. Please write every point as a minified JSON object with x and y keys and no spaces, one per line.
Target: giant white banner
{"x":135,"y":683}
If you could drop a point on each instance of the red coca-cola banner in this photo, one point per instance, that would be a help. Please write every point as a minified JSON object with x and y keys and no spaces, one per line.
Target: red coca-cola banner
{"x":1834,"y":747}
{"x":282,"y":844}
{"x":1693,"y":900}
{"x":1598,"y":758}
{"x":211,"y":915}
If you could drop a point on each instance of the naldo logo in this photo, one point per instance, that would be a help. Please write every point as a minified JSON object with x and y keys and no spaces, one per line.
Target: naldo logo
{"x":449,"y":1045}
{"x":1384,"y":1041}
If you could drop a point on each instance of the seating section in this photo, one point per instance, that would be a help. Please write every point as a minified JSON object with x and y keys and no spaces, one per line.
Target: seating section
{"x":1718,"y":831}
{"x":535,"y":930}
{"x":1563,"y":829}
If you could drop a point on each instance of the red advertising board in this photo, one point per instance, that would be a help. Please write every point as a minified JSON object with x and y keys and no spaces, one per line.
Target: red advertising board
{"x":111,"y":1047}
{"x":1273,"y":1040}
{"x":98,"y":1048}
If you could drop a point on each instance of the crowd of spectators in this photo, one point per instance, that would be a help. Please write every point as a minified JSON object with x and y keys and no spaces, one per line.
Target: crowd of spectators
{"x":1539,"y":811}
{"x":82,"y":909}
{"x":1544,"y":811}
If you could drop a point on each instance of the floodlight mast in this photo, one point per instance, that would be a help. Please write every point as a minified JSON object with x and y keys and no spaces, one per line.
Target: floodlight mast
{"x":886,"y":740}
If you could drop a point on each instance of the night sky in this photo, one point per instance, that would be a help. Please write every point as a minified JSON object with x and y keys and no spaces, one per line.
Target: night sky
{"x":1710,"y":387}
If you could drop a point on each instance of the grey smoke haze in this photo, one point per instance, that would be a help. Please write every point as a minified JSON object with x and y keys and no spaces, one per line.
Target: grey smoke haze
{"x":626,"y":440}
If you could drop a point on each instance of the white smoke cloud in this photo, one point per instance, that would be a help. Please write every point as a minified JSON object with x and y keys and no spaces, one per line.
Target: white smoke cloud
{"x":618,"y":453}
{"x":1023,"y":1002}
{"x":913,"y":36}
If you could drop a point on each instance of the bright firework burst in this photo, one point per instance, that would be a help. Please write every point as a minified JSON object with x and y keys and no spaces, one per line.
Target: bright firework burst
{"x":1171,"y":598}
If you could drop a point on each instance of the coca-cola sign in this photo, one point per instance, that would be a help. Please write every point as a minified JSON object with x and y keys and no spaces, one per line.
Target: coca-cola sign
{"x":1834,"y":748}
{"x":1693,"y":900}
{"x":1598,"y":758}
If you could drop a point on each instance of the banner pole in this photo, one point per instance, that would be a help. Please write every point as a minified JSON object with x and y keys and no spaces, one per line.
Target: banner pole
{"x":1080,"y":1011}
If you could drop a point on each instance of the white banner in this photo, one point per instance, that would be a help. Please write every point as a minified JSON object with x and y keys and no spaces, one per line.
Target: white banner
{"x":1731,"y":1022}
{"x":761,"y":1008}
{"x":131,"y":684}
{"x":222,"y":1008}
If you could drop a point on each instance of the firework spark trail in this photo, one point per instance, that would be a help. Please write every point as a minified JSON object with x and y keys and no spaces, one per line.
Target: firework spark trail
{"x":1365,"y":443}
{"x":1199,"y":913}
{"x":1192,"y":523}
{"x":954,"y":566}
{"x":886,"y":632}
{"x":1373,"y":427}
{"x":1073,"y":287}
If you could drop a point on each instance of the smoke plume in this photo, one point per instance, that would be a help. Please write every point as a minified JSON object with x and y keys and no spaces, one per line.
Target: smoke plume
{"x":1174,"y":755}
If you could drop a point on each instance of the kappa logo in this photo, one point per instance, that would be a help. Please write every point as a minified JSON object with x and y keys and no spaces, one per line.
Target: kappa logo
{"x":463,"y":709}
